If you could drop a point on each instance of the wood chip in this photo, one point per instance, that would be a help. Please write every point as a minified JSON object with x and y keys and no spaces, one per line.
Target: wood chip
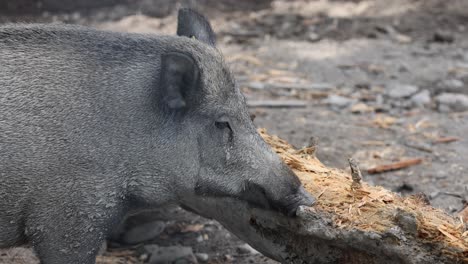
{"x":384,"y":121}
{"x":464,"y":215}
{"x":321,"y":193}
{"x":192,"y":228}
{"x":362,"y":108}
{"x":443,"y":230}
{"x":395,"y":166}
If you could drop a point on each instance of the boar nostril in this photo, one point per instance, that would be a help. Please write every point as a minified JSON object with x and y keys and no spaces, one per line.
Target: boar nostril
{"x":305,"y":197}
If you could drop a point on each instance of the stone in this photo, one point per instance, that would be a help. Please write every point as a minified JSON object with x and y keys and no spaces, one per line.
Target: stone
{"x":202,"y":257}
{"x":452,"y":102}
{"x":246,"y":249}
{"x":443,"y":37}
{"x":256,"y":85}
{"x":228,"y":258}
{"x":172,"y":254}
{"x":142,"y":233}
{"x":312,"y":36}
{"x":339,"y":101}
{"x":451,"y":86}
{"x":422,"y":98}
{"x":398,"y":91}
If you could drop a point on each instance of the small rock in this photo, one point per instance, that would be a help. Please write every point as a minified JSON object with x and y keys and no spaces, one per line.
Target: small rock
{"x":228,"y":258}
{"x":143,"y":257}
{"x":247,"y":249}
{"x":256,"y":85}
{"x":404,"y":39}
{"x":401,"y":104}
{"x":144,"y":232}
{"x":379,"y":99}
{"x":452,"y":102}
{"x":451,"y":86}
{"x":202,"y":257}
{"x":422,"y":98}
{"x":313,"y":37}
{"x":339,"y":101}
{"x":401,"y":90}
{"x":172,"y":254}
{"x":443,"y":37}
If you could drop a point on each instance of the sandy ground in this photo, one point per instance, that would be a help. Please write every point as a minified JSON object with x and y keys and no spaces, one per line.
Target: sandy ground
{"x":356,"y":60}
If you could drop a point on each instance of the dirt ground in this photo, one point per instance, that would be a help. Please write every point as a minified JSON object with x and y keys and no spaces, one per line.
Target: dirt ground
{"x":368,"y":79}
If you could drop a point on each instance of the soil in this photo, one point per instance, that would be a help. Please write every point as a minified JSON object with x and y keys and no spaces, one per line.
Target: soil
{"x":362,"y":52}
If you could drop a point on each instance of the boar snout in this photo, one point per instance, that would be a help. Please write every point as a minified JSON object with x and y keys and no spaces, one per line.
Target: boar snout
{"x":291,"y":203}
{"x":287,"y":204}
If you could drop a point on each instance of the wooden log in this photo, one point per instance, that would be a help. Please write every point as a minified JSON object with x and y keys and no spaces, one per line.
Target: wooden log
{"x":347,"y":225}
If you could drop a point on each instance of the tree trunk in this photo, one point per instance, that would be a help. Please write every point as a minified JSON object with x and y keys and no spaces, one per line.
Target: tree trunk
{"x":351,"y":222}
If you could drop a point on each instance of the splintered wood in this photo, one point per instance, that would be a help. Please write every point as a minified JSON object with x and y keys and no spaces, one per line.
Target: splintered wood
{"x":373,"y":208}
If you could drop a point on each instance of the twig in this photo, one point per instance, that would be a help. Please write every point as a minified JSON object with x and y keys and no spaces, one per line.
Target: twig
{"x":419,"y":146}
{"x":446,"y":140}
{"x":395,"y":166}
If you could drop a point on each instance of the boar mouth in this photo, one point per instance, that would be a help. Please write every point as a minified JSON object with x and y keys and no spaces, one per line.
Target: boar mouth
{"x":288,"y":205}
{"x":256,"y":196}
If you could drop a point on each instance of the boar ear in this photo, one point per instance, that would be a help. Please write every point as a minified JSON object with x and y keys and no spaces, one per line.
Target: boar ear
{"x":179,"y":75}
{"x":193,"y":25}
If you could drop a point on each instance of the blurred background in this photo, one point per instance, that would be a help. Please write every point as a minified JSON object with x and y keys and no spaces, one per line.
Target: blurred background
{"x":381,"y":81}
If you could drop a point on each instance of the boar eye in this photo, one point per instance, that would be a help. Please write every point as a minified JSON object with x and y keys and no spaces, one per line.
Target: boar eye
{"x":222,"y":125}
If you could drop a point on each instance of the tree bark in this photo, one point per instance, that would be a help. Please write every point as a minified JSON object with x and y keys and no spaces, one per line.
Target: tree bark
{"x":349,"y":224}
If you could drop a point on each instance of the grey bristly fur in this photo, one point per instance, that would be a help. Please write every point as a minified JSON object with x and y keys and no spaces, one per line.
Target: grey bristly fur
{"x":88,"y":133}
